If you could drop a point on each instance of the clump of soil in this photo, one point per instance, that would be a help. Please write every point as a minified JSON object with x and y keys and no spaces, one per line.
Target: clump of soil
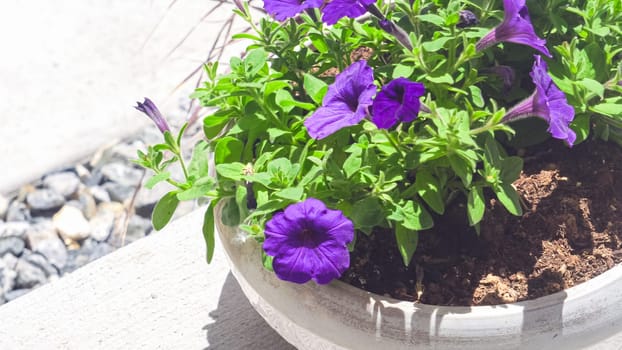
{"x":570,"y":231}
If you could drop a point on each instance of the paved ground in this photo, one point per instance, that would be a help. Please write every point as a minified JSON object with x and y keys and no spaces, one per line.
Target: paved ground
{"x":72,"y":70}
{"x":156,"y":293}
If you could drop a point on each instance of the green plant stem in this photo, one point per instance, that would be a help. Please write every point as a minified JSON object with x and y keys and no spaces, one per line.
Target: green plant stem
{"x":393,"y":142}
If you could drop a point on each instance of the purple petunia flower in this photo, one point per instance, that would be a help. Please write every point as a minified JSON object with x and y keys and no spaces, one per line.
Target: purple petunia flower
{"x":345,"y":103}
{"x":505,"y":73}
{"x":515,"y":28}
{"x":150,"y":109}
{"x":308,"y":241}
{"x":398,"y":101}
{"x":547,"y":102}
{"x":284,"y":9}
{"x":337,"y":9}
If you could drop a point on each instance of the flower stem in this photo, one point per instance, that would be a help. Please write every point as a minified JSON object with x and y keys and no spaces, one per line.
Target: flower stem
{"x":393,"y":142}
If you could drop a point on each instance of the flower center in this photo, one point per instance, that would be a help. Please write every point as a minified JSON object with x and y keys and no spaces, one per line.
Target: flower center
{"x":307,"y":237}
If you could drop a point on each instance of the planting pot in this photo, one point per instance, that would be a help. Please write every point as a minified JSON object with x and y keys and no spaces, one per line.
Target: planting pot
{"x":340,"y":316}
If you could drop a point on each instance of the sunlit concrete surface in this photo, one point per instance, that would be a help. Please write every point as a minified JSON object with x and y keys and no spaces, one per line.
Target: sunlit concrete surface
{"x":156,"y":293}
{"x":70,"y":72}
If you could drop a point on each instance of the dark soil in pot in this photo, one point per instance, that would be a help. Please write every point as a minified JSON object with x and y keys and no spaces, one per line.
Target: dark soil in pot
{"x":570,"y":231}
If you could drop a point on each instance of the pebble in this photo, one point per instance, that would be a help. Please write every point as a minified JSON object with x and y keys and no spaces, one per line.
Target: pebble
{"x":14,"y":228}
{"x":73,"y":216}
{"x":16,"y":293}
{"x":99,"y":194}
{"x":54,"y":250}
{"x":17,"y":211}
{"x":119,"y":192}
{"x":4,"y":206}
{"x":11,"y":244}
{"x":121,"y":173}
{"x":64,"y":183}
{"x":71,"y":224}
{"x":102,"y":224}
{"x":45,"y":199}
{"x":29,"y":275}
{"x":40,"y":231}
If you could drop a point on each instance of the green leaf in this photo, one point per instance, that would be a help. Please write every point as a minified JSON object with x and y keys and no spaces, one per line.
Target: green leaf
{"x":208,"y":231}
{"x":475,"y":205}
{"x":255,"y":61}
{"x":164,"y":210}
{"x":581,"y":126}
{"x":241,"y":193}
{"x":435,"y":45}
{"x":274,"y":133}
{"x":198,"y":189}
{"x":401,"y":70}
{"x":199,"y":163}
{"x":476,"y":96}
{"x":228,"y":149}
{"x":291,"y":193}
{"x":609,"y":109}
{"x":275,"y":85}
{"x":407,"y":241}
{"x":212,"y":125}
{"x":266,"y":260}
{"x":593,"y":86}
{"x":412,"y":216}
{"x":353,"y":163}
{"x":461,"y":168}
{"x":509,"y":198}
{"x":442,"y":79}
{"x":319,"y":42}
{"x":315,"y":88}
{"x":432,"y":18}
{"x":367,"y":213}
{"x":155,"y":179}
{"x":230,"y":212}
{"x":233,"y":171}
{"x":511,"y":168}
{"x":429,"y":190}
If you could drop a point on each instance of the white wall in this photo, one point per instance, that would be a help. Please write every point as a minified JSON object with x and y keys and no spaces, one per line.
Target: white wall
{"x":71,"y":70}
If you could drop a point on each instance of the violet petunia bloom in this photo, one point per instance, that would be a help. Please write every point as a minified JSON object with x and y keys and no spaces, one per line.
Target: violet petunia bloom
{"x":515,"y":28}
{"x":547,"y":102}
{"x":150,"y":109}
{"x":284,"y":9}
{"x":337,"y":9}
{"x":345,"y":103}
{"x":309,"y":241}
{"x":398,"y":101}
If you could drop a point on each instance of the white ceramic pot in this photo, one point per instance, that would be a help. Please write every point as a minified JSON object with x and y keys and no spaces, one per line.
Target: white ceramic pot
{"x":339,"y":316}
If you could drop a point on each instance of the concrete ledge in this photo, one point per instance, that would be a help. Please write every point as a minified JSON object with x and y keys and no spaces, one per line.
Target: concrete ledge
{"x":156,"y":293}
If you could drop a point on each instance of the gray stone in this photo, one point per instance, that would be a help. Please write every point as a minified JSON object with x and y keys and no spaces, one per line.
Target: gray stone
{"x":45,"y":199}
{"x":54,"y":250}
{"x":17,"y":211}
{"x":89,"y":207}
{"x":100,"y":250}
{"x":10,"y":260}
{"x":121,"y":173}
{"x":14,"y":228}
{"x":43,"y":263}
{"x":71,"y":224}
{"x":65,"y":183}
{"x":99,"y":194}
{"x":29,"y":275}
{"x":7,"y":278}
{"x":119,"y":192}
{"x":40,"y":231}
{"x":138,"y":227}
{"x":102,"y":224}
{"x":16,"y":293}
{"x":4,"y":206}
{"x":122,"y":152}
{"x":11,"y":244}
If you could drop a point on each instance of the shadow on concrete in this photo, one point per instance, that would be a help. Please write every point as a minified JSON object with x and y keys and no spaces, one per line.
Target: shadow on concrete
{"x":238,"y":326}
